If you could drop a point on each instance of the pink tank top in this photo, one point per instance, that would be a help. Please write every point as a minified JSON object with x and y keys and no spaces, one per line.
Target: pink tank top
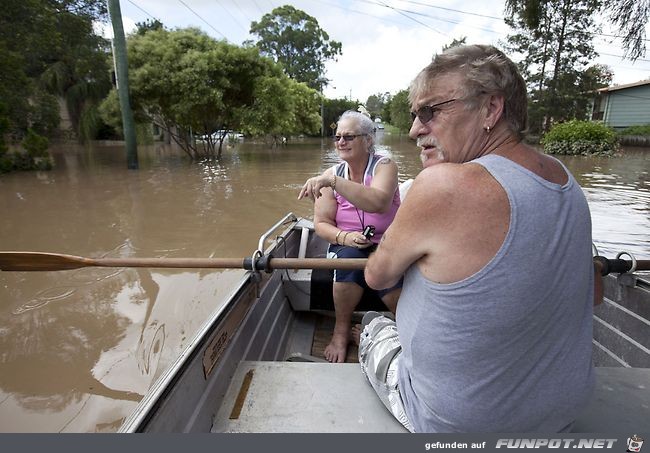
{"x":350,"y":218}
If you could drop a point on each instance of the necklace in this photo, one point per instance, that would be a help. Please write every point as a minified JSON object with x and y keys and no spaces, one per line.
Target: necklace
{"x":362,"y":218}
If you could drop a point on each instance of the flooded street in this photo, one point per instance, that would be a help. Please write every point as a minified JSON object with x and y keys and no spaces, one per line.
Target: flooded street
{"x":79,"y":349}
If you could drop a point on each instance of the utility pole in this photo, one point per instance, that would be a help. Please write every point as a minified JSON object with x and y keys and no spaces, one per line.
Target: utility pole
{"x":122,"y":79}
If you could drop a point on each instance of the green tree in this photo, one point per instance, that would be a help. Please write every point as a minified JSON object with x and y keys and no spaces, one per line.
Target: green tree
{"x":400,"y":108}
{"x":194,"y":86}
{"x":50,"y":46}
{"x":631,"y":17}
{"x":282,"y":108}
{"x":333,"y":109}
{"x":294,"y":39}
{"x":556,"y":55}
{"x":147,"y":25}
{"x":375,"y":104}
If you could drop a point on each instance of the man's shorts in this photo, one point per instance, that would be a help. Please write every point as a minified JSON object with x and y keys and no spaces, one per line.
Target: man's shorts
{"x":355,"y":276}
{"x":379,"y":356}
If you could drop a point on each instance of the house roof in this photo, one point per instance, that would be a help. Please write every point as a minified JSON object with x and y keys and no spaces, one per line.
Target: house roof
{"x":623,"y":87}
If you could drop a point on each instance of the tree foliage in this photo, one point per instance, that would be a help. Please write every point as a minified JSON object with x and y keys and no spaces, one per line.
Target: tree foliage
{"x":376,"y":103}
{"x":48,"y":47}
{"x":192,"y":86}
{"x":557,"y":57}
{"x":333,"y":109}
{"x":294,"y":39}
{"x":400,"y":115}
{"x":630,"y":16}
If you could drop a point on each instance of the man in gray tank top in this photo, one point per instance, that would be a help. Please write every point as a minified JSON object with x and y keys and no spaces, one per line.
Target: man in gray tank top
{"x":493,"y":327}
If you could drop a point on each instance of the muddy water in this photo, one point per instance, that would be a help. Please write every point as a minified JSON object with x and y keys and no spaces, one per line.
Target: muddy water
{"x":78,"y":349}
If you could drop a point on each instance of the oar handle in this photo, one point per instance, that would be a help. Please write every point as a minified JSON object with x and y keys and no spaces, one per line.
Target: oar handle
{"x":619,"y":266}
{"x":268,"y":263}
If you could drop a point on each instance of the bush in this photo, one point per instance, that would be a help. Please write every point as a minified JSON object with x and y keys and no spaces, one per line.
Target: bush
{"x":636,"y":130}
{"x":580,"y":138}
{"x":23,"y":161}
{"x":33,"y":157}
{"x":35,"y":145}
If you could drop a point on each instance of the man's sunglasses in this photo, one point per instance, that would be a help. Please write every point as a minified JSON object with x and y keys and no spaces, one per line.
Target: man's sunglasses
{"x":347,"y":138}
{"x":427,"y":112}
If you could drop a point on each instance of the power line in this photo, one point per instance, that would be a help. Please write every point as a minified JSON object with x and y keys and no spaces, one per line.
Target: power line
{"x":206,"y":23}
{"x":475,"y":14}
{"x":360,"y":12}
{"x":241,"y":11}
{"x":411,"y":18}
{"x":141,"y":9}
{"x":233,"y":17}
{"x":258,"y":7}
{"x":452,"y":10}
{"x":451,"y":21}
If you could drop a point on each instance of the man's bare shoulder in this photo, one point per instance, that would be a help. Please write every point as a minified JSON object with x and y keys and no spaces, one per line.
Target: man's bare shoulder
{"x":437,"y":179}
{"x":445,"y":187}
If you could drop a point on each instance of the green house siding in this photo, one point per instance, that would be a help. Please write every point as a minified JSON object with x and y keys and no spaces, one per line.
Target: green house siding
{"x":625,"y":107}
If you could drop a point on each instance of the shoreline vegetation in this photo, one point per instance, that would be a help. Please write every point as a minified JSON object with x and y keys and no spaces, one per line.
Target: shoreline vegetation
{"x":574,"y":137}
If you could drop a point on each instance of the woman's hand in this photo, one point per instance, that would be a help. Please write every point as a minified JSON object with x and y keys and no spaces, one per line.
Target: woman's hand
{"x":357,"y":240}
{"x":313,"y":186}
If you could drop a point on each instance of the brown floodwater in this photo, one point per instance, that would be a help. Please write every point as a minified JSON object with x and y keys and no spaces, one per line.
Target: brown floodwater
{"x":78,"y":349}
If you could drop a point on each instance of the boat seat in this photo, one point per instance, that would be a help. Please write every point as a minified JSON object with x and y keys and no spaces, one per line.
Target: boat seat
{"x":312,"y":290}
{"x":282,"y":397}
{"x":302,"y":397}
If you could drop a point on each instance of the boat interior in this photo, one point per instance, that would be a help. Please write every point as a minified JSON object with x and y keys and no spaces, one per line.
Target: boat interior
{"x":257,"y":364}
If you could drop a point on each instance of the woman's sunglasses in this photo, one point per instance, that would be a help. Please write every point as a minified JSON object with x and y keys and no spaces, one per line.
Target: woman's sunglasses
{"x":347,"y":138}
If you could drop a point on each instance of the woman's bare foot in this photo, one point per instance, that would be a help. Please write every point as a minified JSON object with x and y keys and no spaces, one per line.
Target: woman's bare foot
{"x":356,"y":333}
{"x":337,"y":350}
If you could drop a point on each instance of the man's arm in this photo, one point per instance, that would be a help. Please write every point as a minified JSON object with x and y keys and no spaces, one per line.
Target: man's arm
{"x":405,"y":241}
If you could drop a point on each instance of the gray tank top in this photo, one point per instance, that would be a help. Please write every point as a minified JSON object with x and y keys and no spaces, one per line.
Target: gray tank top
{"x":507,"y":349}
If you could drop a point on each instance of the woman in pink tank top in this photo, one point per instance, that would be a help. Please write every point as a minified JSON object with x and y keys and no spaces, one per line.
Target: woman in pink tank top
{"x":359,"y":195}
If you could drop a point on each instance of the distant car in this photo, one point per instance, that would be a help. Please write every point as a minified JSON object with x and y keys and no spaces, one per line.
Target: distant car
{"x":230,"y":135}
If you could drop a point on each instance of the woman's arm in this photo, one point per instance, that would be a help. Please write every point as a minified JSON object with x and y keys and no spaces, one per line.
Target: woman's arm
{"x":374,"y":198}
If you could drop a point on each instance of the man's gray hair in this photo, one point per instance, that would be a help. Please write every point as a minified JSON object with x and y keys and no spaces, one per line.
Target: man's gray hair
{"x":486,"y":70}
{"x":365,"y":124}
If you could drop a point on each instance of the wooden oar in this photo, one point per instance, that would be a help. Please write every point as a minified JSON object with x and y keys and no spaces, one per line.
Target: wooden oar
{"x":40,"y":261}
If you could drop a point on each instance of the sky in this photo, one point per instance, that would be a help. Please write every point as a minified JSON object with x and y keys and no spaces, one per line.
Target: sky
{"x":385,"y":43}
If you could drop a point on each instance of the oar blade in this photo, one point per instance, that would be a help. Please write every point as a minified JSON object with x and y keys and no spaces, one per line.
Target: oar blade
{"x":39,"y":261}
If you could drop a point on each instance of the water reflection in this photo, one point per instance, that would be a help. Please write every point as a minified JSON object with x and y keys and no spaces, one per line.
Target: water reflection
{"x":79,"y":348}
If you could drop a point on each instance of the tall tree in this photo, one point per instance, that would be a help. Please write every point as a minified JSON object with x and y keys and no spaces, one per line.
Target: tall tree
{"x":50,"y":46}
{"x":375,"y":104}
{"x":556,"y":53}
{"x":630,"y":16}
{"x":400,"y":116}
{"x":193,"y":86}
{"x":294,"y":39}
